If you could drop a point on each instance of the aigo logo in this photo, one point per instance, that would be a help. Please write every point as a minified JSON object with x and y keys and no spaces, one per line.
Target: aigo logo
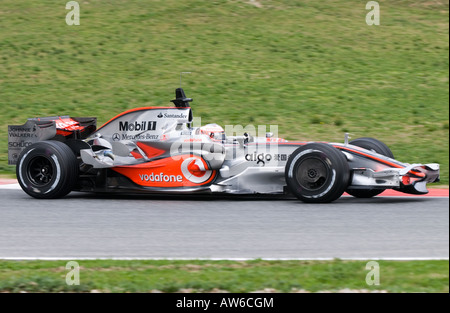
{"x":195,"y":171}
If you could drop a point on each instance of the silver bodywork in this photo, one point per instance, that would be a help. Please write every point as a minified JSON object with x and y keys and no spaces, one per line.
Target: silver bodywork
{"x":244,"y":164}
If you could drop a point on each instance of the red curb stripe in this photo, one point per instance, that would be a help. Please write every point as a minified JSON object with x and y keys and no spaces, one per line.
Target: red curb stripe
{"x":4,"y":181}
{"x":432,"y":193}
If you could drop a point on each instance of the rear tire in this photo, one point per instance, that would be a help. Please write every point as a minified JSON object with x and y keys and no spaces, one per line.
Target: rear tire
{"x":317,"y":173}
{"x":377,"y":146}
{"x":47,"y":170}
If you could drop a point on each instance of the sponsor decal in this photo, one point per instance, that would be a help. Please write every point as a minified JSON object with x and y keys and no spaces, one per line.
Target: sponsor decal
{"x":137,"y":126}
{"x":13,"y":157}
{"x":262,"y":158}
{"x":143,"y":137}
{"x":116,"y":137}
{"x":21,"y":129}
{"x":188,"y":171}
{"x":22,"y":132}
{"x":193,"y":140}
{"x":186,"y":132}
{"x":22,"y":135}
{"x":281,"y":157}
{"x":20,"y":144}
{"x":65,"y":124}
{"x":195,"y":171}
{"x":173,"y":115}
{"x":275,"y":140}
{"x":161,"y":177}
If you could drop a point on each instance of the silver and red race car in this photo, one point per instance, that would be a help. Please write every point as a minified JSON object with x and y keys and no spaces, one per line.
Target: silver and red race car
{"x":158,"y":150}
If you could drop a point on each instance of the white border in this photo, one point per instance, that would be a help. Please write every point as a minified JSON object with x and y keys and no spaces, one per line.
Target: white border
{"x":221,"y":259}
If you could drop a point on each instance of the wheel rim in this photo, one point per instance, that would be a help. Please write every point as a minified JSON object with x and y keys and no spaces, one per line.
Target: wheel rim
{"x":312,"y":174}
{"x":40,"y":171}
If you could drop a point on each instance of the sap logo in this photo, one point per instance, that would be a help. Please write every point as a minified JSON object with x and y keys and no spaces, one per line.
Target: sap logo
{"x":161,"y":178}
{"x":137,"y":126}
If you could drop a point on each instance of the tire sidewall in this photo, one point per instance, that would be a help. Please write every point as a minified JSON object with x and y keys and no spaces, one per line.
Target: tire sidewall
{"x":297,"y":162}
{"x":336,"y":168}
{"x":62,"y":163}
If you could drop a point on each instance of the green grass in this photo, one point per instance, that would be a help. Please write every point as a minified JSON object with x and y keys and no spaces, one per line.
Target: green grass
{"x":312,"y":67}
{"x":231,"y":276}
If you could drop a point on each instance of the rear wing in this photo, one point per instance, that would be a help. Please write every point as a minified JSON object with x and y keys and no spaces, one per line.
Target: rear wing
{"x":59,"y":128}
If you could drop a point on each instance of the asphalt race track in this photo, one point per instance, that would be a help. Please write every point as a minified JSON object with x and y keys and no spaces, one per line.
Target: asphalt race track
{"x":88,"y":226}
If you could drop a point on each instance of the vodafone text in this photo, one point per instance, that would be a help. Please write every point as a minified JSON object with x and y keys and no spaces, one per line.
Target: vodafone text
{"x":161,"y":178}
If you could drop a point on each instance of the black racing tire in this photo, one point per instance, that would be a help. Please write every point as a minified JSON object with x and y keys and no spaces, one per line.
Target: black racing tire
{"x":377,"y":146}
{"x":317,"y":173}
{"x":47,"y":170}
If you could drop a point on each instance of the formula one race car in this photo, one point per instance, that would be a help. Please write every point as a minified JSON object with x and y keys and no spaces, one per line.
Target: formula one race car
{"x":157,"y":150}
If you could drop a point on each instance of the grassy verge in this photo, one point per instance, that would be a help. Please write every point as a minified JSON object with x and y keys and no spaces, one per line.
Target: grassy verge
{"x":312,"y":67}
{"x":230,"y":276}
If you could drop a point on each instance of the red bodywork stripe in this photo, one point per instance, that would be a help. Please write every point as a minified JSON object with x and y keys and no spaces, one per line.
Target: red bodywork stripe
{"x":150,"y":152}
{"x":136,"y":155}
{"x":371,"y":157}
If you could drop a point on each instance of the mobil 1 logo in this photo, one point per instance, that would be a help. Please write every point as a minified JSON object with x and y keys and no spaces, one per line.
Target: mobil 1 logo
{"x":137,"y":126}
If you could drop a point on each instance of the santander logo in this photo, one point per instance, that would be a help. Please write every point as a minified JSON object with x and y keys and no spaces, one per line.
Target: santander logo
{"x":194,"y":170}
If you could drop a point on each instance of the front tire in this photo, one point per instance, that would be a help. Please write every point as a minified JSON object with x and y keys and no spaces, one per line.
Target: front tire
{"x":47,"y":170}
{"x":317,"y":173}
{"x":377,"y":146}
